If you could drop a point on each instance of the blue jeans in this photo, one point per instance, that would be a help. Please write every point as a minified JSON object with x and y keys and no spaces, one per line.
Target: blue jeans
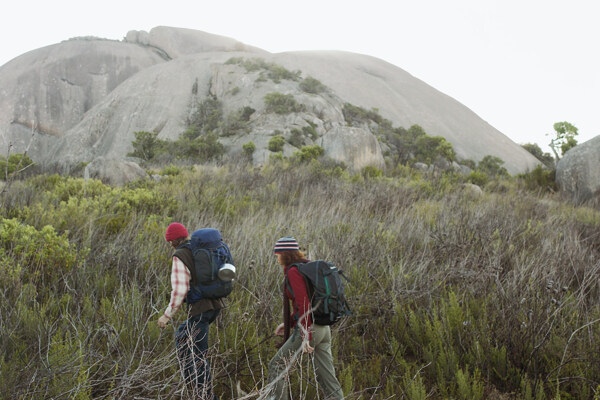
{"x":191,"y":342}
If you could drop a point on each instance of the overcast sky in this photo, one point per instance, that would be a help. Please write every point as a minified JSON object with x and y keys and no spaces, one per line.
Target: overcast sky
{"x":521,"y":65}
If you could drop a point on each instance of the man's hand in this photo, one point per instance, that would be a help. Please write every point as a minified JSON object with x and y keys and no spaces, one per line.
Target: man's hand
{"x":279,"y":330}
{"x":163,"y":321}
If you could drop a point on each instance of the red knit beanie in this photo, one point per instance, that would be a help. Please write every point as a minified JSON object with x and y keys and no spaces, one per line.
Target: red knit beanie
{"x":175,"y":231}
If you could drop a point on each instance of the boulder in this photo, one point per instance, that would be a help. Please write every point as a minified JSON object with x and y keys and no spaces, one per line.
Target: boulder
{"x":578,"y":172}
{"x":472,"y":190}
{"x":113,"y":172}
{"x":420,"y":166}
{"x":356,"y":147}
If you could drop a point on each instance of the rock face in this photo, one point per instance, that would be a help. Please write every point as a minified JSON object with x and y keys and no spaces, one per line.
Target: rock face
{"x":356,"y":147}
{"x":51,"y":89}
{"x":114,"y":172}
{"x":578,"y":172}
{"x":180,"y":42}
{"x":87,"y":98}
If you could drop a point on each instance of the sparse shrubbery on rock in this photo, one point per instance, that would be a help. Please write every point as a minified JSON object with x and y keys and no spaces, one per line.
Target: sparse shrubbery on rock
{"x":279,"y":103}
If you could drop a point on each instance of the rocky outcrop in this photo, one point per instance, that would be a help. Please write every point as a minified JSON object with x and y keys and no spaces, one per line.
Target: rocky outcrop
{"x":114,"y":172}
{"x":177,"y":42}
{"x":355,"y":147}
{"x":87,"y":98}
{"x":51,"y":89}
{"x":578,"y":172}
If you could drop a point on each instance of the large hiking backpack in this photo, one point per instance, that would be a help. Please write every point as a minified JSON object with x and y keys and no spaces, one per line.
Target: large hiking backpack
{"x":210,"y":253}
{"x":325,"y":289}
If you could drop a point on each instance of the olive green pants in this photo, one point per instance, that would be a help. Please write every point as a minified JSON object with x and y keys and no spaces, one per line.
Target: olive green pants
{"x":323,"y":364}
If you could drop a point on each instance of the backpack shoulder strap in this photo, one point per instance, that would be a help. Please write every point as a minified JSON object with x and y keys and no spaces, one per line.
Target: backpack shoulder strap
{"x":287,"y":280}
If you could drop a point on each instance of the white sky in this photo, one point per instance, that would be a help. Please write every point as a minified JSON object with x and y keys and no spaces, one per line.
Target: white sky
{"x":521,"y":65}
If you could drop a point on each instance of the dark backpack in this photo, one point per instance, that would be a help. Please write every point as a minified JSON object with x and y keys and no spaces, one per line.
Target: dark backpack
{"x":325,"y":289}
{"x":209,"y":253}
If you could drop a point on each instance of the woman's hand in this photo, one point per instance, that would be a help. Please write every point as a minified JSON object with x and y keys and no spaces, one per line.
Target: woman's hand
{"x":279,"y":330}
{"x":306,"y":347}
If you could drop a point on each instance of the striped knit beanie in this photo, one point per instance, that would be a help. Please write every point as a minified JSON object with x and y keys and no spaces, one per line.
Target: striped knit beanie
{"x":287,"y":243}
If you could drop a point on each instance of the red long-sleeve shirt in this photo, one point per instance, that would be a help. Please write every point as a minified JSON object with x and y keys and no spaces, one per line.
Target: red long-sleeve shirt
{"x":300,"y":300}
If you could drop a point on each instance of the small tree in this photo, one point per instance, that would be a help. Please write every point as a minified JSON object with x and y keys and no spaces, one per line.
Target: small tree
{"x":492,"y":166}
{"x":429,"y":148}
{"x":536,"y":151}
{"x":145,"y":145}
{"x":564,"y":138}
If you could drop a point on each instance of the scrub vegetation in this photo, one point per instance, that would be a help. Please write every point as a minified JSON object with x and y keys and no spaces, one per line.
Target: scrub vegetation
{"x":455,"y":294}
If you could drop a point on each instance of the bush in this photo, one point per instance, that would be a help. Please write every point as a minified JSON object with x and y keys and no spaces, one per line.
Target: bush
{"x":312,"y":85}
{"x":268,"y":70}
{"x":310,"y":131}
{"x":492,"y":166}
{"x":248,"y":149}
{"x":308,"y":153}
{"x":540,"y":179}
{"x":206,"y":115}
{"x":146,"y":145}
{"x":282,"y":103}
{"x":39,"y":256}
{"x":430,"y":148}
{"x":297,"y":138}
{"x":478,"y":178}
{"x":16,"y":162}
{"x":237,"y":122}
{"x":371,"y":172}
{"x":170,"y":170}
{"x":276,"y":143}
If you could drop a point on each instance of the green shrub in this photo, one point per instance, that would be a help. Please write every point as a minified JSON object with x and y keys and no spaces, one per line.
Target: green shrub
{"x":492,"y":166}
{"x":249,"y":149}
{"x":282,"y":103}
{"x":296,"y":138}
{"x":276,"y":143}
{"x":371,"y":172}
{"x":430,"y":148}
{"x":146,"y":145}
{"x":310,"y":131}
{"x":312,"y":85}
{"x":308,"y":153}
{"x":41,"y":256}
{"x":16,"y":162}
{"x":540,"y":178}
{"x":206,"y":115}
{"x":237,"y":122}
{"x":170,"y":170}
{"x":478,"y":178}
{"x":268,"y":70}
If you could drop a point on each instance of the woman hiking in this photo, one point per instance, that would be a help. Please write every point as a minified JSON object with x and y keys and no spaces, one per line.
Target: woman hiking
{"x":306,"y":337}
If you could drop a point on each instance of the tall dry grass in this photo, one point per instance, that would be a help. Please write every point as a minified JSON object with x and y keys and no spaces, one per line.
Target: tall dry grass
{"x":454,"y":295}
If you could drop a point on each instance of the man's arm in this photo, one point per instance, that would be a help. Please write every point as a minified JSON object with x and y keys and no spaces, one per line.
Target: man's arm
{"x":180,"y":284}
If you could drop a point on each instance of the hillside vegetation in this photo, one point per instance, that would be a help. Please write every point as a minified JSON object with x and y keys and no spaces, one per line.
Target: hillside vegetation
{"x":455,"y":294}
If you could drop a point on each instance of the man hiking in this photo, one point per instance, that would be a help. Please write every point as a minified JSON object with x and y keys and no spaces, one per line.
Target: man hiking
{"x":191,"y":338}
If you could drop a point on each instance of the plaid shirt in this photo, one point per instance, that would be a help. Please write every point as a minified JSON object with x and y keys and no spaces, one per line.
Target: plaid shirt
{"x":180,"y":283}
